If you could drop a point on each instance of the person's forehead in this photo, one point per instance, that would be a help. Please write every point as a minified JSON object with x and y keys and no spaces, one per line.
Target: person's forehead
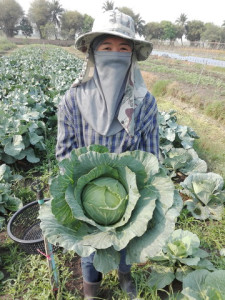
{"x":115,"y":39}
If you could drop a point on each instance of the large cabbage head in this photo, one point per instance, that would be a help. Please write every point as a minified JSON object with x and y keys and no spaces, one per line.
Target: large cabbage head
{"x":104,"y":202}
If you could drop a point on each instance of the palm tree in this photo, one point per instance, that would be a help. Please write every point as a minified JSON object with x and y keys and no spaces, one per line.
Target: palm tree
{"x":108,"y":5}
{"x":182,"y":21}
{"x":139,"y":24}
{"x":56,"y":11}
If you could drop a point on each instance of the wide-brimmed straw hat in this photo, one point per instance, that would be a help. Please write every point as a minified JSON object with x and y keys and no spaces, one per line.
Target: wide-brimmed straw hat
{"x":116,"y":23}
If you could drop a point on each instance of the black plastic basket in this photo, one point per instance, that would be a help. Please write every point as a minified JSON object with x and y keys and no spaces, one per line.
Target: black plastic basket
{"x":24,"y":228}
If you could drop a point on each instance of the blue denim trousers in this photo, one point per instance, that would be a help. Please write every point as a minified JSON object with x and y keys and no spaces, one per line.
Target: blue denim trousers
{"x":90,"y":274}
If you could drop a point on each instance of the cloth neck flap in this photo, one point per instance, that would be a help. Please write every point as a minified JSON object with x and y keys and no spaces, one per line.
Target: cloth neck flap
{"x":109,"y":97}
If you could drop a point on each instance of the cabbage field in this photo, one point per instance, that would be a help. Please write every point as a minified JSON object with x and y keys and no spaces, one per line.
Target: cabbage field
{"x":185,"y":223}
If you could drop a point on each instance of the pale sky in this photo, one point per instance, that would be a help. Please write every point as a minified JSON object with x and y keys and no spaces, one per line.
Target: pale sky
{"x":152,"y":11}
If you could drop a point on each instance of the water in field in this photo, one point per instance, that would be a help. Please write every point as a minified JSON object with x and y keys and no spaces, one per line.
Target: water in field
{"x":194,"y":59}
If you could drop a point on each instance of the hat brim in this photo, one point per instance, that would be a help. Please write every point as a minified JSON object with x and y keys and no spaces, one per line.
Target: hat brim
{"x":142,"y":48}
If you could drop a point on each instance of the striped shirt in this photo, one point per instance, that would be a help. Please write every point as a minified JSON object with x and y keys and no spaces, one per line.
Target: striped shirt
{"x":75,"y":132}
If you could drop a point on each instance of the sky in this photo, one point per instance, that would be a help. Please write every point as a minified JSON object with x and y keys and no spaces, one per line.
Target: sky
{"x":152,"y":11}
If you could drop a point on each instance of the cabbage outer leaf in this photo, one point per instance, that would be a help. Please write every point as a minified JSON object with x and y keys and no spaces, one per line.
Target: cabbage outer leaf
{"x":201,"y":284}
{"x":71,"y":239}
{"x":149,"y":218}
{"x":153,"y":240}
{"x":106,"y":260}
{"x":161,"y":276}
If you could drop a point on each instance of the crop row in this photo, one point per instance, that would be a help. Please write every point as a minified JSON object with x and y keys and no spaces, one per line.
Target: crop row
{"x":32,"y":82}
{"x":190,"y":76}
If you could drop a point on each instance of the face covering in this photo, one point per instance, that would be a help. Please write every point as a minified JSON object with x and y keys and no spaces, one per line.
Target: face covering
{"x":101,"y":79}
{"x":99,"y":99}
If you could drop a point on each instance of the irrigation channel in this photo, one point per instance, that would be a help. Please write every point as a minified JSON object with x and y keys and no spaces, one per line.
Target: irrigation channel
{"x":200,"y":60}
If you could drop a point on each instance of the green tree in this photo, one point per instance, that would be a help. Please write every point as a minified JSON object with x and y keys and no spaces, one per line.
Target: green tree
{"x":26,"y":27}
{"x":180,"y":31}
{"x":10,"y":14}
{"x":56,"y":11}
{"x":72,"y":22}
{"x":181,"y":23}
{"x":48,"y":31}
{"x":194,"y":30}
{"x":212,"y":33}
{"x":139,"y":23}
{"x":182,"y":20}
{"x":87,"y":23}
{"x":222,"y":35}
{"x":169,"y":31}
{"x":153,"y":30}
{"x":108,"y":5}
{"x":39,"y":13}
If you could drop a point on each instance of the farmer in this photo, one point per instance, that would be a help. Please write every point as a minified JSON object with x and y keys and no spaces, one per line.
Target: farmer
{"x":110,"y":105}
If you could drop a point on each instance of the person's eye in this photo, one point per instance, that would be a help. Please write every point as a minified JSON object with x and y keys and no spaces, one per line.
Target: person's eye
{"x":105,"y":49}
{"x":126,"y":49}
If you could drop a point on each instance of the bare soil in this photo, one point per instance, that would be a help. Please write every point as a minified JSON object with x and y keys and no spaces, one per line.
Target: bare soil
{"x":75,"y":282}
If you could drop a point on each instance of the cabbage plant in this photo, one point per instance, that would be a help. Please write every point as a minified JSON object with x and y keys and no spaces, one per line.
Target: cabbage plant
{"x":104,"y":202}
{"x":202,"y":284}
{"x":206,"y":195}
{"x":8,"y":201}
{"x":180,"y":256}
{"x":172,"y":135}
{"x":184,"y":161}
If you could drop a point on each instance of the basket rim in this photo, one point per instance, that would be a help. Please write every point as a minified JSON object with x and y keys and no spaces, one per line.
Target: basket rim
{"x":20,"y":241}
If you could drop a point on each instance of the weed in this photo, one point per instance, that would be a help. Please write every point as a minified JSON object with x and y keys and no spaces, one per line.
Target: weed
{"x":173,"y":90}
{"x":150,"y":79}
{"x":6,"y":45}
{"x":28,"y":275}
{"x":24,"y":193}
{"x":160,"y":88}
{"x":216,"y":110}
{"x":210,"y":232}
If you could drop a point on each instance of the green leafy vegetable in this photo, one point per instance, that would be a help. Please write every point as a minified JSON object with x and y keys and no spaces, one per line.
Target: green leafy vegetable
{"x":32,"y":83}
{"x":8,"y":202}
{"x":172,"y":135}
{"x":206,"y":194}
{"x":105,"y":202}
{"x":185,"y":161}
{"x":180,"y":255}
{"x":202,"y":284}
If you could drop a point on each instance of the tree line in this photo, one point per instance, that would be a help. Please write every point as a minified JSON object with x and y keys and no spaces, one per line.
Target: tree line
{"x":50,"y":20}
